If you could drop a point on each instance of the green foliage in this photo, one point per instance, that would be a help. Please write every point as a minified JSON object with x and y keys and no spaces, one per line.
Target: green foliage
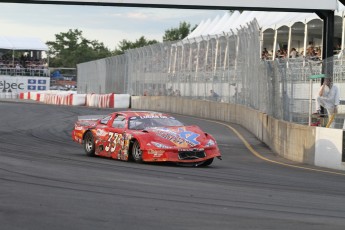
{"x":126,"y":45}
{"x":232,"y":11}
{"x":175,"y":34}
{"x":71,"y":48}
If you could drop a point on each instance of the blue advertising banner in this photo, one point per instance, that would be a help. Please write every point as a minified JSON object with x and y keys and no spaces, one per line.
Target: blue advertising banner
{"x":10,"y":84}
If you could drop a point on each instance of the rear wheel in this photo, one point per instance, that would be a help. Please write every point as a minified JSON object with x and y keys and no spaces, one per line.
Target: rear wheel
{"x":89,"y":144}
{"x":136,"y":152}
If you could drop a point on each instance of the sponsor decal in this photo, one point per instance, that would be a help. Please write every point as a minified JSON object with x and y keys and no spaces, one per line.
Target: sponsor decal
{"x":23,"y":84}
{"x":190,"y":150}
{"x":210,"y":143}
{"x":180,"y":137}
{"x":34,"y":84}
{"x":159,"y":145}
{"x":156,"y":153}
{"x":101,"y":133}
{"x":152,"y":116}
{"x":190,"y":137}
{"x":6,"y":86}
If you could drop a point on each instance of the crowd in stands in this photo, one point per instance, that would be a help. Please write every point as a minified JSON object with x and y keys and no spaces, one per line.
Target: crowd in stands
{"x":23,"y":66}
{"x":312,"y":53}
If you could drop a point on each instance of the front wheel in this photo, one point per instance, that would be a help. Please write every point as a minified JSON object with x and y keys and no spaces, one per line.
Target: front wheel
{"x":136,"y":152}
{"x":206,"y":163}
{"x":89,"y":144}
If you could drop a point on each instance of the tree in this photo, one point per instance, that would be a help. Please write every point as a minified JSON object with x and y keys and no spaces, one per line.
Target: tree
{"x":126,"y":45}
{"x":233,"y":11}
{"x":179,"y":33}
{"x":71,"y":48}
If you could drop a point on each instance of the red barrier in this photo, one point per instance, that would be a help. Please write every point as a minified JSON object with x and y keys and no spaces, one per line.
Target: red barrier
{"x":112,"y":100}
{"x":100,"y":100}
{"x":91,"y":100}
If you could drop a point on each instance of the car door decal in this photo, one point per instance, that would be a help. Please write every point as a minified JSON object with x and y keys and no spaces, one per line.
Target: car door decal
{"x":114,"y":140}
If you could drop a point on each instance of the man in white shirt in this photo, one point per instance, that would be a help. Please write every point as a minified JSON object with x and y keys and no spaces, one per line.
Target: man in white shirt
{"x":328,"y":97}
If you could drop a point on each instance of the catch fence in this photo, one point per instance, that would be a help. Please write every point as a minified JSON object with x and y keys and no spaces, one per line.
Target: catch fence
{"x":229,"y":64}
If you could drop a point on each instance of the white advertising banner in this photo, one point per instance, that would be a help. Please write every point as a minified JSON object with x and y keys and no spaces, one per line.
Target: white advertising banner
{"x":10,"y":84}
{"x":279,"y":4}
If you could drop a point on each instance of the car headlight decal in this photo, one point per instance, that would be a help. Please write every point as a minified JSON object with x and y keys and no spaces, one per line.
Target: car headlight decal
{"x":210,"y":143}
{"x":160,"y":145}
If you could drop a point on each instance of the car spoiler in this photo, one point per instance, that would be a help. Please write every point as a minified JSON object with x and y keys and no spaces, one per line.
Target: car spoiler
{"x":90,"y":117}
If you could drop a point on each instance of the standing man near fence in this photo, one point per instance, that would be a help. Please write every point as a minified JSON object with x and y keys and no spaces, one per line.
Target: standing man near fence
{"x":328,"y":98}
{"x":213,"y":95}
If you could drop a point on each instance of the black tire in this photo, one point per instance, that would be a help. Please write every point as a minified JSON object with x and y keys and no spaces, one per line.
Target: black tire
{"x":136,"y":152}
{"x":206,"y":163}
{"x":89,"y":144}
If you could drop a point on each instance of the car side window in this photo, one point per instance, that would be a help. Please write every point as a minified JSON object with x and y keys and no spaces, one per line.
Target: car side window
{"x":119,"y":122}
{"x":105,"y":120}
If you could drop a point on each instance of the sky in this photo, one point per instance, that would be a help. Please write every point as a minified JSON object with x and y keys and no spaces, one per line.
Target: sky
{"x":106,"y":24}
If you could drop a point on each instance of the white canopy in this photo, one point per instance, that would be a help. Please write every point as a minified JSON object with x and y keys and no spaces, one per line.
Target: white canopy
{"x":266,"y":20}
{"x":22,"y":43}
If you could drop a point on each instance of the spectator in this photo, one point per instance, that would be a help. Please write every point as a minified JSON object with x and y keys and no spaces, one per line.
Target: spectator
{"x":170,"y":92}
{"x":264,"y":54}
{"x":310,"y":45}
{"x":293,"y":53}
{"x":214,"y":96}
{"x":310,"y":53}
{"x":177,"y":93}
{"x":328,"y":97}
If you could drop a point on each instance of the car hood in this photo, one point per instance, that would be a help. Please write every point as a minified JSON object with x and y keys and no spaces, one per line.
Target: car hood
{"x":182,"y":136}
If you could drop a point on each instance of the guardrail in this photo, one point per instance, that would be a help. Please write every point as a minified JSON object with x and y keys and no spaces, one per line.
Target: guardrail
{"x":37,"y":72}
{"x":73,"y":99}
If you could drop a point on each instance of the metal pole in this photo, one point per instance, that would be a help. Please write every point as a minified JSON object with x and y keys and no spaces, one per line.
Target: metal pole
{"x":275,"y":44}
{"x":205,"y":65}
{"x":342,"y":40}
{"x":328,"y":33}
{"x":196,"y":80}
{"x":305,"y":39}
{"x":310,"y":100}
{"x":289,"y":41}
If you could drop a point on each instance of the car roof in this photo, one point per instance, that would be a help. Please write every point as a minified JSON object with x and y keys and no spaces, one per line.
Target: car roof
{"x":131,"y":113}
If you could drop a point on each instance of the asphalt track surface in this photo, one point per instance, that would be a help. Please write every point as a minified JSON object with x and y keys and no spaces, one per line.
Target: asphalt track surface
{"x":47,"y":182}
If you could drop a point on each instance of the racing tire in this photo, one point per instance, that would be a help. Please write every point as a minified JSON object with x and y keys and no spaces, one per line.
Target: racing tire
{"x":89,"y":144}
{"x":137,"y":152}
{"x":206,"y":163}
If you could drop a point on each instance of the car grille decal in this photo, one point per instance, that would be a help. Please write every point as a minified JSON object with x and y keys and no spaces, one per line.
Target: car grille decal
{"x":191,"y":154}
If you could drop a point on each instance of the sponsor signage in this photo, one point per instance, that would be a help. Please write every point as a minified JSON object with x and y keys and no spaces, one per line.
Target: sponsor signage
{"x":277,"y":4}
{"x":23,"y":84}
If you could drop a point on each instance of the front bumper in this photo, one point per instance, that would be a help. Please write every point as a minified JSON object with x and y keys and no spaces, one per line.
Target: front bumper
{"x":168,"y":155}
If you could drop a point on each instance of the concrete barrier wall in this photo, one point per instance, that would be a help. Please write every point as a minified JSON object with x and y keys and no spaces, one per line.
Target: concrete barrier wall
{"x":291,"y":141}
{"x":329,"y":148}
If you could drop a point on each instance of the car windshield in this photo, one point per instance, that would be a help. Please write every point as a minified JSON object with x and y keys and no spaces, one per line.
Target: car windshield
{"x":140,"y":123}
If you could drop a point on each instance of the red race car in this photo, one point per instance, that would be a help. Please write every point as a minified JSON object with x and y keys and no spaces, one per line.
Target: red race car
{"x":145,"y":137}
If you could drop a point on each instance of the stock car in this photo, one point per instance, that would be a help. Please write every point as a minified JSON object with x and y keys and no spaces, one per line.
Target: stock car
{"x":145,"y":136}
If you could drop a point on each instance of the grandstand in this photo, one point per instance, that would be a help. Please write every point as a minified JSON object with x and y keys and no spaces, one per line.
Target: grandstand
{"x":23,"y":65}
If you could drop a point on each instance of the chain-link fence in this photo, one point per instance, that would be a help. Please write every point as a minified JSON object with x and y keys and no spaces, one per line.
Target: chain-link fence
{"x":226,"y":68}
